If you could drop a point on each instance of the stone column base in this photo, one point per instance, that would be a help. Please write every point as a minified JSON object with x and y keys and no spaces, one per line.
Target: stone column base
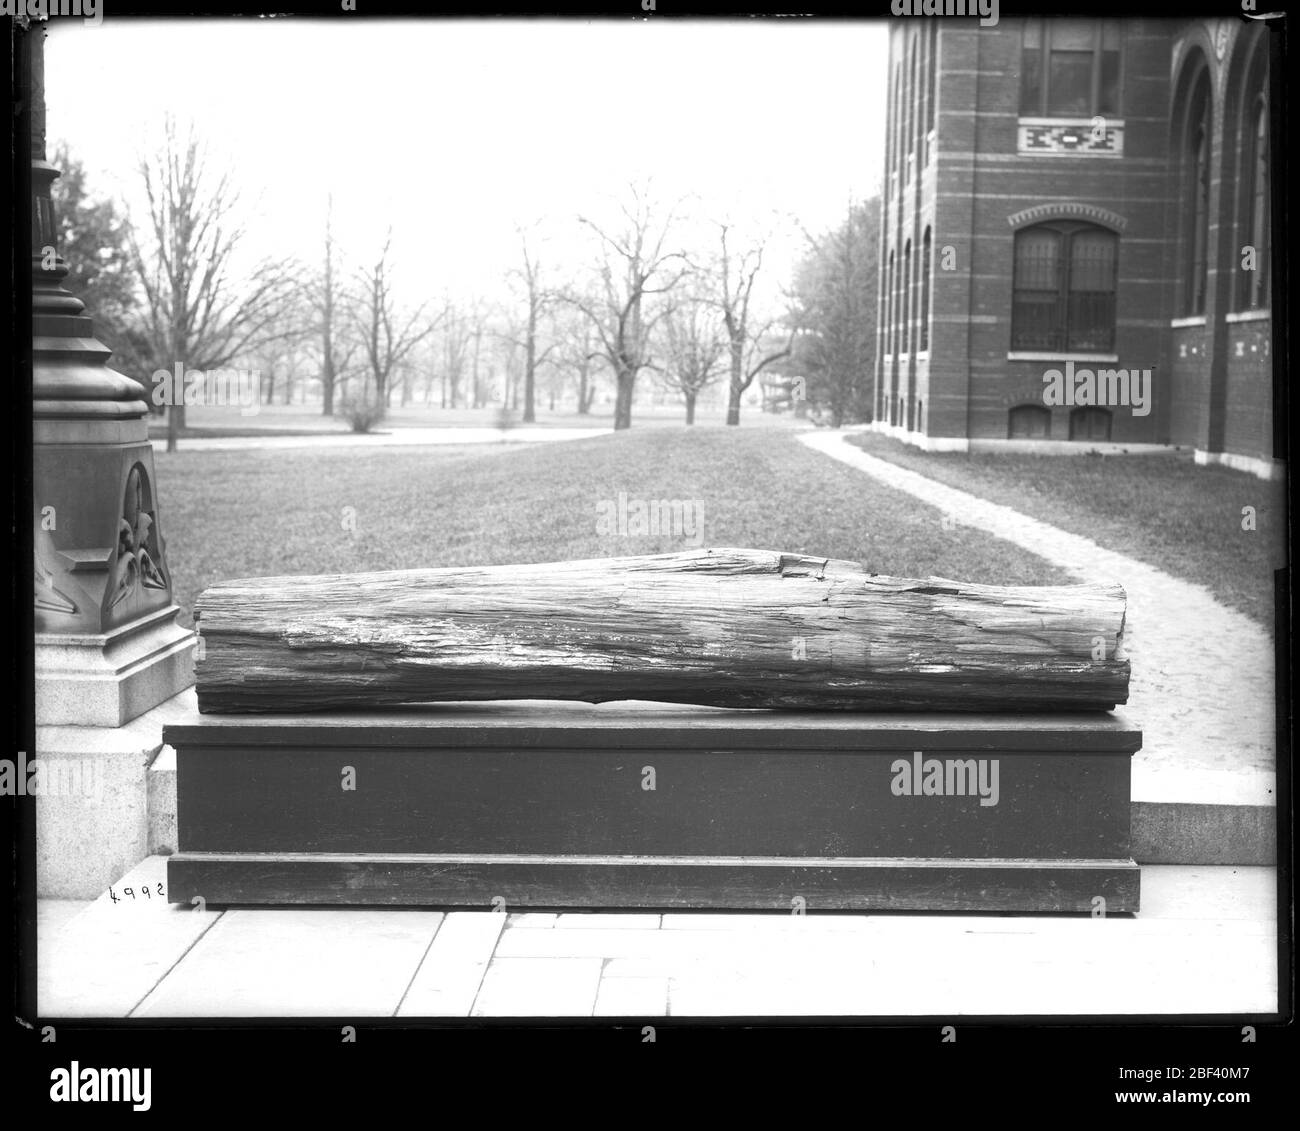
{"x":106,"y":679}
{"x":94,"y":810}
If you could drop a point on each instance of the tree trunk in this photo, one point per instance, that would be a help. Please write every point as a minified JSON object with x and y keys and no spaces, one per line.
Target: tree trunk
{"x":727,"y":628}
{"x":623,"y":400}
{"x":530,"y":368}
{"x":478,"y":334}
{"x":328,"y":375}
{"x":736,"y":361}
{"x":690,"y":408}
{"x":733,"y":404}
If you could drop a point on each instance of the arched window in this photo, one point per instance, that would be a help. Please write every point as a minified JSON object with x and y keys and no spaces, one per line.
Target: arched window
{"x":930,"y":87}
{"x":890,"y":335}
{"x":907,"y":296}
{"x":898,"y":117}
{"x":920,"y":415}
{"x":927,"y":270}
{"x":1090,"y":424}
{"x":1254,"y":290}
{"x":1196,"y":196}
{"x":1064,"y":288}
{"x":1029,"y":422}
{"x":891,"y":101}
{"x":912,"y":93}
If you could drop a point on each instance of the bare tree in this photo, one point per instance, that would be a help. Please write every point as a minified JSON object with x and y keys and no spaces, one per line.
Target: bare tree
{"x":336,"y":348}
{"x":537,"y":300}
{"x":478,"y":322}
{"x":197,"y":312}
{"x":387,"y":337}
{"x":454,"y":354}
{"x":693,"y":348}
{"x":634,"y":265}
{"x":580,"y":350}
{"x":287,"y":355}
{"x":748,"y":338}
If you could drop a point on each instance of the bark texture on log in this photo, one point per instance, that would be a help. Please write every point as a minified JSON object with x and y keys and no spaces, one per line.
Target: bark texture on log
{"x":718,"y":627}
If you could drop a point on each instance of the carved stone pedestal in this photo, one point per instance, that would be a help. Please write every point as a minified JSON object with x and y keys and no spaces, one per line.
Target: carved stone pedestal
{"x":108,"y":645}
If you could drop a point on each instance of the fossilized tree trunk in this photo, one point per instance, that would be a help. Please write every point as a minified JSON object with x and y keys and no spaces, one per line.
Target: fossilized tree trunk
{"x":724,"y":627}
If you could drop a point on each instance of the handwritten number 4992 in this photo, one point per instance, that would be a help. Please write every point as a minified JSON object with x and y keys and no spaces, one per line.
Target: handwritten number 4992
{"x":145,"y":892}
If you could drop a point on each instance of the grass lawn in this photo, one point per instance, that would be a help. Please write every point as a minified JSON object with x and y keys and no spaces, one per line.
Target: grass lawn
{"x":1159,"y":509}
{"x":212,"y":421}
{"x":228,"y":514}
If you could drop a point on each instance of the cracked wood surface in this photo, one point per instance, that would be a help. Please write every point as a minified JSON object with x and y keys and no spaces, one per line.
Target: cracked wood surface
{"x":715,"y":627}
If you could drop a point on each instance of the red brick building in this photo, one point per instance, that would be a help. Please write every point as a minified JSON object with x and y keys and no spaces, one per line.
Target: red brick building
{"x":1083,"y":196}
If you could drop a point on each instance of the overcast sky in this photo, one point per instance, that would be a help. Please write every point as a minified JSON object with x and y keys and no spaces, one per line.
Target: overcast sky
{"x":456,"y":130}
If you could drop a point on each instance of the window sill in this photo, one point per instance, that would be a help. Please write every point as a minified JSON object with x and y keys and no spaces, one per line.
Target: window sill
{"x":1249,"y":316}
{"x":1068,"y":120}
{"x":1190,"y":320}
{"x":1035,"y":355}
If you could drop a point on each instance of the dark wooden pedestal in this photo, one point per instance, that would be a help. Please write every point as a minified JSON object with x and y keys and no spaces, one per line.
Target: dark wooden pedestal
{"x":552,"y":806}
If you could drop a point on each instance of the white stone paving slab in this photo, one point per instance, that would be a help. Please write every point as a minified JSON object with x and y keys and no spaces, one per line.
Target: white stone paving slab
{"x":103,"y":961}
{"x":533,"y":987}
{"x":766,"y":921}
{"x":311,"y":962}
{"x":632,"y":997}
{"x":531,"y":919}
{"x":1177,"y":891}
{"x":603,"y":921}
{"x":448,"y":979}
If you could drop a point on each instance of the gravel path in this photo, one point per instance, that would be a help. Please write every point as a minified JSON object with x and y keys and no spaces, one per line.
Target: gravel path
{"x":397,"y":437}
{"x":1202,"y":686}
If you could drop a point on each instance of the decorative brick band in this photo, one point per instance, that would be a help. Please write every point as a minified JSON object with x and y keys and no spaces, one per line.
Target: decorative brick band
{"x":1071,"y":137}
{"x":1068,"y":210}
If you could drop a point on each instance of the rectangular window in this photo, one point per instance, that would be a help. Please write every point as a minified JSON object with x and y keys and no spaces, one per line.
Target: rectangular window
{"x":1090,"y":424}
{"x":1090,"y":318}
{"x":1029,"y":422}
{"x":1031,"y":68}
{"x":1108,"y":71}
{"x":1063,"y":291}
{"x":1070,"y":68}
{"x":1036,"y":317}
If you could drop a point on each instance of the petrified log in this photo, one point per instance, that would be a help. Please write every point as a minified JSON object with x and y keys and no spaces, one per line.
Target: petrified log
{"x":718,"y":627}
